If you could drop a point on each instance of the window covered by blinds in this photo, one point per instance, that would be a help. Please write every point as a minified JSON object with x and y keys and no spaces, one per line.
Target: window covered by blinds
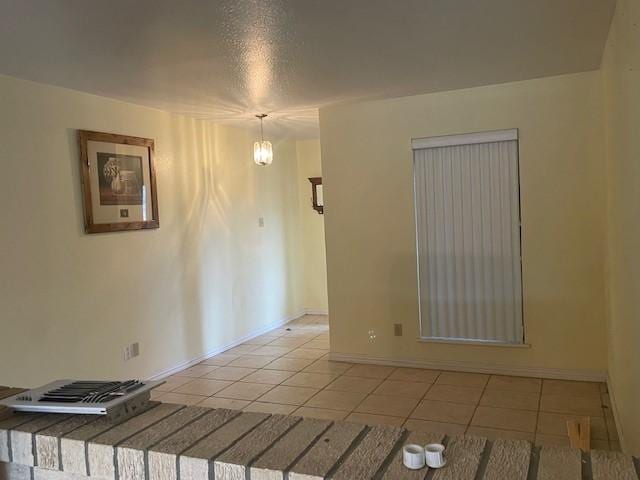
{"x":468,"y":237}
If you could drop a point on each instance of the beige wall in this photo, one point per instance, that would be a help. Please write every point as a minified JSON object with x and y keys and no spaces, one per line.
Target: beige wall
{"x":370,"y":230}
{"x":313,"y":257}
{"x":207,"y":277}
{"x":621,"y":69}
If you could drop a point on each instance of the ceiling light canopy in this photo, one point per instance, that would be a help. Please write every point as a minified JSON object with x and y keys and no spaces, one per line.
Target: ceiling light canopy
{"x":262,"y":150}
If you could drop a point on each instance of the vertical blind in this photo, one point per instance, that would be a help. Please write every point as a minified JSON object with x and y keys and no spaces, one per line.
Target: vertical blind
{"x":468,"y":236}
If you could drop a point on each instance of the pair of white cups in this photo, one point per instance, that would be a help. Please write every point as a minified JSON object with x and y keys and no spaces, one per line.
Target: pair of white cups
{"x":415,"y":457}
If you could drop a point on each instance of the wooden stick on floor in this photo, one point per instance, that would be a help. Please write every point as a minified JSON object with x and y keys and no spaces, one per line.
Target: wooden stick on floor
{"x":585,"y":434}
{"x":580,"y":433}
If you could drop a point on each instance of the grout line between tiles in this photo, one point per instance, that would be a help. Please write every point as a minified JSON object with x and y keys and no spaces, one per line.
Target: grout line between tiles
{"x":484,"y":388}
{"x":535,"y":430}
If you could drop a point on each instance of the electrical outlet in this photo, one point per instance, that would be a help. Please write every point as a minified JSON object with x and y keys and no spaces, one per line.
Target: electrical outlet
{"x":397,"y":329}
{"x":261,"y":222}
{"x":127,"y":353}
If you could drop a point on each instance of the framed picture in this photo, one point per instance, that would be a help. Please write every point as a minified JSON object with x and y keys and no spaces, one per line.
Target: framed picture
{"x":118,"y":182}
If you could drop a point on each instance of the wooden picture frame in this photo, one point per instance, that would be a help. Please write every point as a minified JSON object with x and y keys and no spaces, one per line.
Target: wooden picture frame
{"x":118,"y":176}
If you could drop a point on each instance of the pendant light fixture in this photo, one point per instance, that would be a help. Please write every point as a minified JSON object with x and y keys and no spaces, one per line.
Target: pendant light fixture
{"x":262,"y":150}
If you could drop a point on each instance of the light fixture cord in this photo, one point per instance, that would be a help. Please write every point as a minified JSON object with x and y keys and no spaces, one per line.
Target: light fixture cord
{"x":261,"y":131}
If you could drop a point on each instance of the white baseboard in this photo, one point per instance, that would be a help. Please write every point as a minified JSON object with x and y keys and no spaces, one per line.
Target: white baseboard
{"x":616,"y":416}
{"x":464,"y":366}
{"x":312,"y":311}
{"x":219,"y":350}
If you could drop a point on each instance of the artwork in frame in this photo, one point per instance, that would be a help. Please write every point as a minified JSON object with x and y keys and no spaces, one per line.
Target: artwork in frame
{"x":118,"y":182}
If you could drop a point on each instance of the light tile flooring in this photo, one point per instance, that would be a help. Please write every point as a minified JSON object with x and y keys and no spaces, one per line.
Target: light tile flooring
{"x":287,"y":371}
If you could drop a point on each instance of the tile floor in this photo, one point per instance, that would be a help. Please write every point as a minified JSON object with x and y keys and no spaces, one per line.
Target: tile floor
{"x":287,"y":371}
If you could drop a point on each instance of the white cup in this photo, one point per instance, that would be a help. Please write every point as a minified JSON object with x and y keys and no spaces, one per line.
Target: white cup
{"x":413,"y":456}
{"x":434,"y":455}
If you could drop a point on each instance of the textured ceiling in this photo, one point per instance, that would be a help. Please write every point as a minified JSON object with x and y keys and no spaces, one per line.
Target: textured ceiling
{"x":227,"y":60}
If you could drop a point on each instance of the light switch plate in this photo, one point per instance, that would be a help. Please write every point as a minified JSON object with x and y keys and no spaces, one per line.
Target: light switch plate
{"x":131,"y":351}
